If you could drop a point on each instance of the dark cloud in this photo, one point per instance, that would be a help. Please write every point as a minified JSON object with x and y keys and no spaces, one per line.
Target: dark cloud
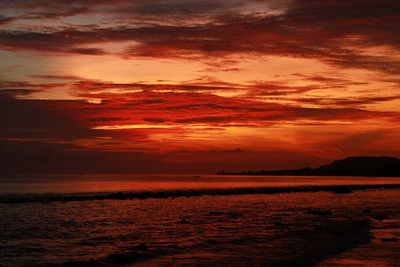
{"x":193,"y":103}
{"x":89,"y":85}
{"x":64,"y":41}
{"x":328,"y":79}
{"x":56,"y":77}
{"x":106,"y":119}
{"x":333,"y":31}
{"x":44,"y":157}
{"x":355,"y":101}
{"x":5,"y":20}
{"x":40,"y":157}
{"x":176,"y":9}
{"x":43,"y":9}
{"x":87,"y":51}
{"x":18,"y":92}
{"x":55,"y":135}
{"x":154,"y":120}
{"x":35,"y":119}
{"x":42,"y":136}
{"x":190,"y":107}
{"x":28,"y":85}
{"x":209,"y":119}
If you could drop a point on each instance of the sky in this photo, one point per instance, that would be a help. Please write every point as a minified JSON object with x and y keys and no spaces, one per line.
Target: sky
{"x":190,"y":86}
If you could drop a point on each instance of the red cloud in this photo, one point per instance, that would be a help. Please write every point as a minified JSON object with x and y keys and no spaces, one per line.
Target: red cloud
{"x":329,"y":31}
{"x":55,"y":135}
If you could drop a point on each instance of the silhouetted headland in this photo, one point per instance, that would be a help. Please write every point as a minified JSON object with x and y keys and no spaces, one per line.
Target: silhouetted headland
{"x":351,"y":166}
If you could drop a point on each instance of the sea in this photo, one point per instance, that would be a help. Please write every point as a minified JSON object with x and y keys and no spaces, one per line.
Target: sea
{"x":198,"y":220}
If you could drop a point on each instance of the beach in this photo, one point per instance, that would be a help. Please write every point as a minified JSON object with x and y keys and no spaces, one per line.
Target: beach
{"x":246,"y":228}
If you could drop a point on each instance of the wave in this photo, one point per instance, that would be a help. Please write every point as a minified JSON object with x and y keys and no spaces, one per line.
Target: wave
{"x":126,"y":195}
{"x":116,"y":259}
{"x":332,"y":237}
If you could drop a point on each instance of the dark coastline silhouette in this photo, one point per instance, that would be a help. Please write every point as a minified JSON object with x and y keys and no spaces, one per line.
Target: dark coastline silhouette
{"x":351,"y":166}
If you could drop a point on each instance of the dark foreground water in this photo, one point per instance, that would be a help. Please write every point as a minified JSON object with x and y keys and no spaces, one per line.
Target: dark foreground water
{"x":199,"y":221}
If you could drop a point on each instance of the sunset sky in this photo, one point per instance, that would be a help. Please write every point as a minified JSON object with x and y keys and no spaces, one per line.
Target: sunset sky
{"x":171,"y":86}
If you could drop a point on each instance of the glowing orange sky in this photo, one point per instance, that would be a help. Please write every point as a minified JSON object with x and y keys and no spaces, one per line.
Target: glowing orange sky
{"x":196,"y":86}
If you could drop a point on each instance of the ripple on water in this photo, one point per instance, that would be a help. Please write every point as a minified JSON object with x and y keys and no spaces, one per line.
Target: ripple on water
{"x":235,"y":230}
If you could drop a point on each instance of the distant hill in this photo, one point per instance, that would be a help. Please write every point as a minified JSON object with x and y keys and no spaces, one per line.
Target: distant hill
{"x":351,"y":166}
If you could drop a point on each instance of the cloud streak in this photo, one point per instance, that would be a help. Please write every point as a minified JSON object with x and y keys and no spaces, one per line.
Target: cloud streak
{"x":337,"y":31}
{"x":143,"y":85}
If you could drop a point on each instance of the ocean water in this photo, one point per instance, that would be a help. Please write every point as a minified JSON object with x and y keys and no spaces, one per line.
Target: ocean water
{"x":98,"y":183}
{"x":141,"y":220}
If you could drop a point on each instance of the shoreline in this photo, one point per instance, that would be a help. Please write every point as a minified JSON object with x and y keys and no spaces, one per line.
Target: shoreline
{"x":348,"y":235}
{"x":161,"y":194}
{"x":334,"y":238}
{"x":299,"y":229}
